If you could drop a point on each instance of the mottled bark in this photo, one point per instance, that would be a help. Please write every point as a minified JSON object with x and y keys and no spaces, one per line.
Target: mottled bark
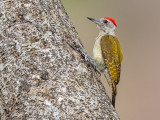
{"x":41,"y":76}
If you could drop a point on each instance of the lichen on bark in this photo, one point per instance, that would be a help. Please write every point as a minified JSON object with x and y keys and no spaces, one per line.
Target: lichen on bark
{"x":41,"y":76}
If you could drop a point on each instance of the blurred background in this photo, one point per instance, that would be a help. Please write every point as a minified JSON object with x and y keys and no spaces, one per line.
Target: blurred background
{"x":139,"y":34}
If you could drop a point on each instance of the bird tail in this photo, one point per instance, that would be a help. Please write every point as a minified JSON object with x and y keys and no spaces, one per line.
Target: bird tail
{"x":112,"y":84}
{"x":114,"y":93}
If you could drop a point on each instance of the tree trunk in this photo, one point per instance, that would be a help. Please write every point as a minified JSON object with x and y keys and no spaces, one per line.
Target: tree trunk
{"x":41,"y":75}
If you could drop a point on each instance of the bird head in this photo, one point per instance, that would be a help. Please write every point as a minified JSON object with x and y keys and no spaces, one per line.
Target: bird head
{"x":106,"y":25}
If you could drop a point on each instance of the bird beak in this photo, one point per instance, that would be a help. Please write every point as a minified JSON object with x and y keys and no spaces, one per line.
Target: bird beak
{"x":95,"y":21}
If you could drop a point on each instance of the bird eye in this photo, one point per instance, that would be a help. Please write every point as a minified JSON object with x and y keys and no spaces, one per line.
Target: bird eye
{"x":105,"y":21}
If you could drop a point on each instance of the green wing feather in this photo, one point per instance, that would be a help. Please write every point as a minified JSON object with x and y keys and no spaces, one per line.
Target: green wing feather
{"x":112,"y":55}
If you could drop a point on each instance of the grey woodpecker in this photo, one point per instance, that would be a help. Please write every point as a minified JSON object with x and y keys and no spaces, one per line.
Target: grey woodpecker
{"x":107,"y":52}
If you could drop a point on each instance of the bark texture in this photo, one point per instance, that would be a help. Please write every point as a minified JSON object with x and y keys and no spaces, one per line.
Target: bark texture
{"x":41,"y":76}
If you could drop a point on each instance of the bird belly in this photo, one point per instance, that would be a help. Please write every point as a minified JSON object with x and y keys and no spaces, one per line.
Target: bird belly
{"x":97,"y":55}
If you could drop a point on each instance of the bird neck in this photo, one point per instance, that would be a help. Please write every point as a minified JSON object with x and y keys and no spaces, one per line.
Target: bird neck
{"x":107,"y":32}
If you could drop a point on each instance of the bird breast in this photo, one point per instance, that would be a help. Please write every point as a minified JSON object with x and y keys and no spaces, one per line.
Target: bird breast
{"x":97,"y":54}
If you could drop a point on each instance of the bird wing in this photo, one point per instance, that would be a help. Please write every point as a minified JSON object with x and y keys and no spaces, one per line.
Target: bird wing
{"x":112,"y":56}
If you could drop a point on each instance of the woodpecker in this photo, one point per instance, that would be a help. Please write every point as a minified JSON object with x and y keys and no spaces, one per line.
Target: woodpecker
{"x":107,"y":52}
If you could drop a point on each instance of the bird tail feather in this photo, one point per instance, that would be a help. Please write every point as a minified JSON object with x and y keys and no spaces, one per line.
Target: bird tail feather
{"x":114,"y":93}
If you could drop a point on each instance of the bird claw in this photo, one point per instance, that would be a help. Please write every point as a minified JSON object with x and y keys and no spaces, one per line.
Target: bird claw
{"x":92,"y":62}
{"x":86,"y":57}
